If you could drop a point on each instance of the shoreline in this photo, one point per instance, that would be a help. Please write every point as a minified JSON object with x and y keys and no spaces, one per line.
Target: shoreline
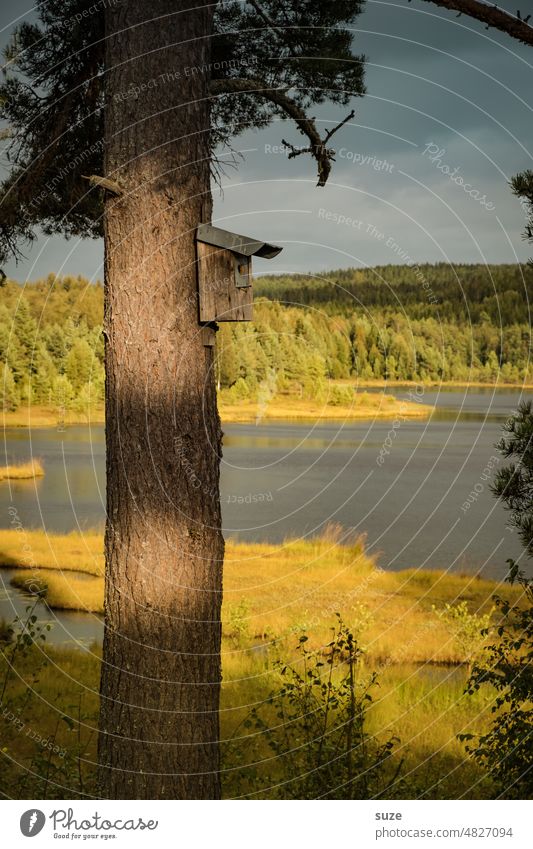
{"x":380,"y":406}
{"x":291,"y":409}
{"x":376,"y":405}
{"x":433,"y":384}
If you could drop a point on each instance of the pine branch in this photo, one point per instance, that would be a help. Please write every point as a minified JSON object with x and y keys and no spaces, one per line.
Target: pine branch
{"x":317,"y":147}
{"x":269,"y":22}
{"x":514,"y":25}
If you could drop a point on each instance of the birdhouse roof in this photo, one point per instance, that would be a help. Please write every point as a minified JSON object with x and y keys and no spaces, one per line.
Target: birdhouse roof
{"x":245,"y":245}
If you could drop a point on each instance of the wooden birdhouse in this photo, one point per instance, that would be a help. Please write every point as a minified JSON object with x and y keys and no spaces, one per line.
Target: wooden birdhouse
{"x":225,"y":273}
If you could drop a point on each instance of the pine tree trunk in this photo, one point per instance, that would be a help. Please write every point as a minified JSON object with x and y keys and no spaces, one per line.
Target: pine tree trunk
{"x":164,"y":548}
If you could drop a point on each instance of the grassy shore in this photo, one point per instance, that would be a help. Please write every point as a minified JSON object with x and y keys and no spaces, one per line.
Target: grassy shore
{"x":365,"y":405}
{"x":272,"y":592}
{"x":37,"y":550}
{"x":41,"y":416}
{"x":273,"y":596}
{"x":22,"y":471}
{"x":434,"y":384}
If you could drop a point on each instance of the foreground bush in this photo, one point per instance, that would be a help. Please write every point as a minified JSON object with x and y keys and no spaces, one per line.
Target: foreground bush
{"x":316,"y":728}
{"x":506,"y":750}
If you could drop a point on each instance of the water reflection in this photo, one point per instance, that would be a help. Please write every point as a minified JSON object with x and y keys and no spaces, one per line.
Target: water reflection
{"x":68,"y":627}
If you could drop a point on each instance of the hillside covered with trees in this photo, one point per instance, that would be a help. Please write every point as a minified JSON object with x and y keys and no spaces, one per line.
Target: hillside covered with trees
{"x":420,"y":323}
{"x":415,"y":323}
{"x":450,"y":293}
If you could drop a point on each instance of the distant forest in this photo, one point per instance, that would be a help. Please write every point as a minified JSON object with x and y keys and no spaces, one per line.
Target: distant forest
{"x":421,"y":323}
{"x":401,"y":322}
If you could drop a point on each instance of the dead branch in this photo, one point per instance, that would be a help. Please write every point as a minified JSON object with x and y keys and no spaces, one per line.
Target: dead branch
{"x":317,"y":147}
{"x":104,"y":183}
{"x":514,"y":25}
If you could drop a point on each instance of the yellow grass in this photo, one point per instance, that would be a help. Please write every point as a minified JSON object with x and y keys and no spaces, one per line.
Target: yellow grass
{"x":22,"y":471}
{"x":36,"y":549}
{"x":63,"y":590}
{"x":300,"y":586}
{"x":39,"y":416}
{"x":273,"y":593}
{"x":426,"y":709}
{"x":366,"y":405}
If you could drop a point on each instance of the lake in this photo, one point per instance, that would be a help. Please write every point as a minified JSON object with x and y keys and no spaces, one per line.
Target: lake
{"x":425,"y":503}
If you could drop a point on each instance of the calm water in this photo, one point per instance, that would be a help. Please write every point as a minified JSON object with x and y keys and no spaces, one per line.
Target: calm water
{"x":411,"y":506}
{"x":289,"y":479}
{"x":286,"y":479}
{"x":68,"y":627}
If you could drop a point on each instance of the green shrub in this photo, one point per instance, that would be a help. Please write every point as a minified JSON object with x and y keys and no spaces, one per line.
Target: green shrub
{"x":240,"y":391}
{"x":238,"y":622}
{"x":341,"y":396}
{"x":467,"y":629}
{"x":316,"y":726}
{"x":506,"y":750}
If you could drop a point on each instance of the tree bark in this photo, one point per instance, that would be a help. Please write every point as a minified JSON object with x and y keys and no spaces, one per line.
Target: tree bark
{"x":164,"y":548}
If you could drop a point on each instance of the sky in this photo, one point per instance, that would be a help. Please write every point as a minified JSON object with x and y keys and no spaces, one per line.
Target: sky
{"x":422,"y":171}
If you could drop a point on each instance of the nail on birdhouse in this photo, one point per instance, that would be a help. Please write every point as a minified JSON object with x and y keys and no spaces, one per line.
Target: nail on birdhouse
{"x":225,"y":273}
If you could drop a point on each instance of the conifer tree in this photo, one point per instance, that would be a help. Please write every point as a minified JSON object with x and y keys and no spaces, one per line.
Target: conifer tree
{"x":9,"y":396}
{"x":137,"y":96}
{"x":25,"y":330}
{"x":79,"y":364}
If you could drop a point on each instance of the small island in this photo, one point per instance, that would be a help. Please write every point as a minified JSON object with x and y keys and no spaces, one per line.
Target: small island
{"x":22,"y":471}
